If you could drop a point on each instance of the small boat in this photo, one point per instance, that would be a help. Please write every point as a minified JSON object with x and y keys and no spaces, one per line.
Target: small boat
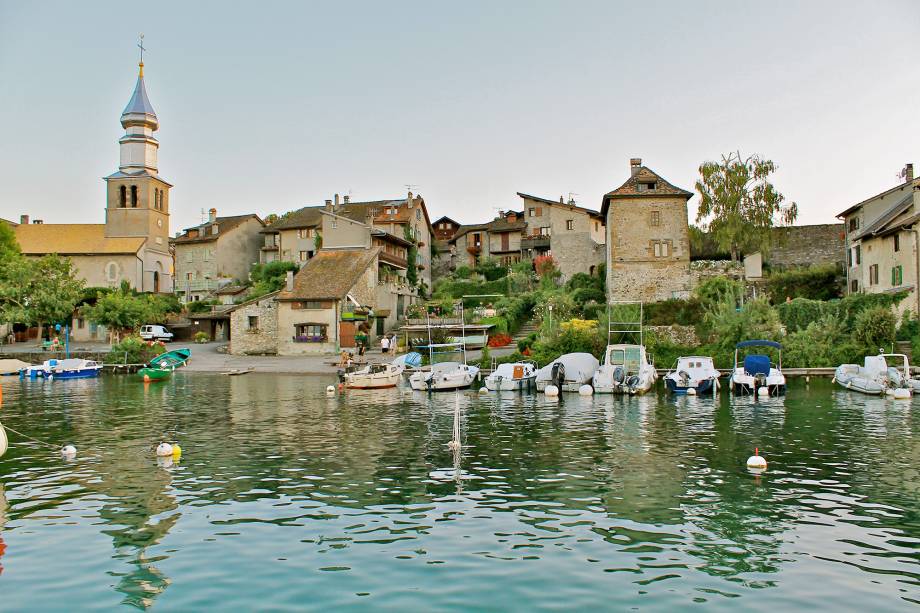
{"x":70,"y":368}
{"x":373,"y":376}
{"x":171,"y":359}
{"x":444,"y":376}
{"x":515,"y":377}
{"x":154,"y":374}
{"x":12,"y":367}
{"x":568,"y":372}
{"x":626,"y":370}
{"x":877,"y":377}
{"x":693,"y":375}
{"x":756,"y":372}
{"x":238,"y":371}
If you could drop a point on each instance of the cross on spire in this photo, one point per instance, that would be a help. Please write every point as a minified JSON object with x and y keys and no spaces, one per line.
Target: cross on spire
{"x":141,"y":47}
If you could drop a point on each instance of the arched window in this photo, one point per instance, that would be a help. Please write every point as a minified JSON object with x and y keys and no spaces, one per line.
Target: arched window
{"x":123,"y":196}
{"x":111,"y":272}
{"x":162,"y":199}
{"x":156,"y":199}
{"x":134,"y":196}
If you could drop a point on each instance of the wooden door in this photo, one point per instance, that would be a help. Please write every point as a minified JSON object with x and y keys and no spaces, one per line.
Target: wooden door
{"x":505,"y":237}
{"x":347,"y":334}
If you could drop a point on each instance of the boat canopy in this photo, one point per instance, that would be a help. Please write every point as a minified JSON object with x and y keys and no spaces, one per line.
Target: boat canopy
{"x":760,"y":343}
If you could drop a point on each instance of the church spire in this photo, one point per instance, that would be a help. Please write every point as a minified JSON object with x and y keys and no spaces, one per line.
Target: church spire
{"x":138,"y":146}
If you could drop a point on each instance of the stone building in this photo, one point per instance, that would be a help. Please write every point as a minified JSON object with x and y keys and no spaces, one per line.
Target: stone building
{"x":882,"y":242}
{"x":499,"y":239}
{"x":133,"y":243}
{"x":648,"y":242}
{"x":215,"y":254}
{"x":445,"y":228}
{"x":574,"y":236}
{"x":293,"y":238}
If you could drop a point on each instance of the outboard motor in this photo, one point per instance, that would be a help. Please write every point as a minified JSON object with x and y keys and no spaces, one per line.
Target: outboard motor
{"x":558,"y":374}
{"x":632,"y":382}
{"x":684,"y":378}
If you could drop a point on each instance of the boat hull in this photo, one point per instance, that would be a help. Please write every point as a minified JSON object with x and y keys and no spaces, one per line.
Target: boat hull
{"x":500,"y":384}
{"x":702,"y":387}
{"x":154,"y":374}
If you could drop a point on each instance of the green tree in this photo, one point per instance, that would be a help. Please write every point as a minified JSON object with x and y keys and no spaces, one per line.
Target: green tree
{"x":8,"y":245}
{"x":739,"y":204}
{"x":119,"y":312}
{"x":38,"y":291}
{"x":411,"y":257}
{"x":270,"y":277}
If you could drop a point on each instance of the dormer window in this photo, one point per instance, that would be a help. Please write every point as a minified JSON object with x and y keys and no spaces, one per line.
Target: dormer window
{"x":644,"y":186}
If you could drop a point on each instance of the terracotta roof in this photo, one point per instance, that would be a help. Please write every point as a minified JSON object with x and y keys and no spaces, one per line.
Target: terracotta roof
{"x":358,"y":210}
{"x":224,"y":225}
{"x":567,"y":205}
{"x":330,"y":274}
{"x":447,"y":219}
{"x":307,"y":217}
{"x":630,"y":189}
{"x":73,"y":239}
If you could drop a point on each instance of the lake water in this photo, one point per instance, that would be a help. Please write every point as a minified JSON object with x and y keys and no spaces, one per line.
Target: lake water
{"x":286,"y":499}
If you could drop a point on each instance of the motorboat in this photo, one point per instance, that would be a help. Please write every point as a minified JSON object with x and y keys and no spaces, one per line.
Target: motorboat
{"x":70,"y":368}
{"x":373,"y":376}
{"x":756,"y":374}
{"x":512,"y":377}
{"x":444,"y":376}
{"x":626,"y":370}
{"x":693,"y":375}
{"x":879,"y":376}
{"x":568,"y":372}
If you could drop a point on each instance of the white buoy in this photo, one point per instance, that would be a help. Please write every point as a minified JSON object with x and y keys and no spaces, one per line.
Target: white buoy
{"x":69,"y":452}
{"x":453,"y":445}
{"x":483,"y":390}
{"x":585,"y":390}
{"x":691,"y":391}
{"x":756,"y":462}
{"x":901,"y":393}
{"x":551,"y":390}
{"x":763,"y":391}
{"x":330,"y":390}
{"x":164,"y":449}
{"x":4,"y":443}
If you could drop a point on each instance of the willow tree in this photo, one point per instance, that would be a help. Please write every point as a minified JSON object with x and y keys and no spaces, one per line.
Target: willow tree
{"x":739,"y":205}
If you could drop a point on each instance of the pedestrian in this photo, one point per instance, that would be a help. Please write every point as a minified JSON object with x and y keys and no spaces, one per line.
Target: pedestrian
{"x":384,"y":345}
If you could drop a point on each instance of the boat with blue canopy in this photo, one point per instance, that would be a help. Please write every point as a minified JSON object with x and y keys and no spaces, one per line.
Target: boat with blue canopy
{"x":756,"y":374}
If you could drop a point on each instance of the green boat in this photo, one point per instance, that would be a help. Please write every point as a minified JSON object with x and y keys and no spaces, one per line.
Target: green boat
{"x":154,"y":374}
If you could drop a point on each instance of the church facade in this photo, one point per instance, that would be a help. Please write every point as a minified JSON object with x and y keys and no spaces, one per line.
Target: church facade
{"x":133,"y":243}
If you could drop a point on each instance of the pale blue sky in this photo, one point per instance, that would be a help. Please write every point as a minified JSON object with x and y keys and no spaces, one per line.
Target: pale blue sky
{"x":271,"y":106}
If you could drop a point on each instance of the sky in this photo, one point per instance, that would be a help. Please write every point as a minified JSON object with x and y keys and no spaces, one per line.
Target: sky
{"x":267,"y":107}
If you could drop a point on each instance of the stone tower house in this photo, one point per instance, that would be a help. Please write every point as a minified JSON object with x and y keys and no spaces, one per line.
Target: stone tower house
{"x":648,"y":238}
{"x":137,"y":198}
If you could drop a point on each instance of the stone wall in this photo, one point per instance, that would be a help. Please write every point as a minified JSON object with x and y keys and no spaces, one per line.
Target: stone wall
{"x":576,"y":252}
{"x":807,"y":245}
{"x":261,"y":341}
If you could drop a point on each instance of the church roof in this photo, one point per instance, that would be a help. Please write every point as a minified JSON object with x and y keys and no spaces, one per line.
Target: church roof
{"x":139,"y":103}
{"x":73,"y":239}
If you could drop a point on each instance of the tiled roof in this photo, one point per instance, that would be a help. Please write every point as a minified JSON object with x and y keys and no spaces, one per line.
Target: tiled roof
{"x":496,"y":226}
{"x":307,"y":217}
{"x":224,"y":225}
{"x":571,"y":207}
{"x":330,"y":274}
{"x":630,"y":189}
{"x":72,"y":239}
{"x":884,"y":193}
{"x":879,"y":225}
{"x":447,"y":219}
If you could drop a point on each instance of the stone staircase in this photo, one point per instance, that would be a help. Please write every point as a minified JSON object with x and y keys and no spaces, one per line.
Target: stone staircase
{"x":526,"y":330}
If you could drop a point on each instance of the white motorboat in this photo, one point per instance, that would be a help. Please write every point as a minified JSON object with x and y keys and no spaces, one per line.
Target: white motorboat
{"x":373,"y":376}
{"x":693,"y":375}
{"x":757,"y":372}
{"x":70,"y":368}
{"x":444,"y":376}
{"x":878,"y":376}
{"x":568,"y":372}
{"x":512,"y":377}
{"x":625,"y":370}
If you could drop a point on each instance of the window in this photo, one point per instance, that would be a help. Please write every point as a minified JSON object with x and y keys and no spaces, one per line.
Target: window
{"x":657,"y":248}
{"x":122,"y":196}
{"x":545,"y":231}
{"x":897,"y":242}
{"x":156,"y":199}
{"x":335,"y":224}
{"x":418,"y":214}
{"x":854,"y":224}
{"x":80,"y":323}
{"x":312,"y":305}
{"x":850,"y":258}
{"x":188,"y":276}
{"x":897,"y":276}
{"x":303,"y":256}
{"x":532,"y":212}
{"x":569,"y":224}
{"x":134,"y":196}
{"x":854,"y":286}
{"x":873,"y":274}
{"x":477,"y":239}
{"x":645,"y":186}
{"x":310,"y":333}
{"x":111,"y":272}
{"x":305,"y":233}
{"x":858,"y":255}
{"x":661,"y":249}
{"x":655,"y":219}
{"x":253,"y":322}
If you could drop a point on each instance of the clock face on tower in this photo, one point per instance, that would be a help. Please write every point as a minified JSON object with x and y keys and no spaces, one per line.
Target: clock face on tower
{"x":159,"y":223}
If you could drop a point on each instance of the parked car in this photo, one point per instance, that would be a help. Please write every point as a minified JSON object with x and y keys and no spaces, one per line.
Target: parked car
{"x":156,"y":333}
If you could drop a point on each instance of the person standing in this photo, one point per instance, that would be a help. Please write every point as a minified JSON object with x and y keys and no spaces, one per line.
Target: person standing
{"x":385,"y":344}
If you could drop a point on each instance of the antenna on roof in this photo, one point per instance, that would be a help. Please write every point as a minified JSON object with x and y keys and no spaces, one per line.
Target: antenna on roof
{"x":572,"y":196}
{"x":410,"y":186}
{"x":202,"y":215}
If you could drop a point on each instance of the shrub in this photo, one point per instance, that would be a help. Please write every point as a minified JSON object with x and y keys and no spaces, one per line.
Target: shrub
{"x":756,"y":320}
{"x":816,"y":283}
{"x":500,"y":323}
{"x":200,"y":306}
{"x":135,"y":350}
{"x":499,"y":340}
{"x":491,"y":269}
{"x":909,"y":328}
{"x":485,"y":361}
{"x":875,"y":328}
{"x":674,"y":311}
{"x":463,"y":272}
{"x":202,"y":337}
{"x":583,"y":295}
{"x":822,"y":343}
{"x":569,"y":339}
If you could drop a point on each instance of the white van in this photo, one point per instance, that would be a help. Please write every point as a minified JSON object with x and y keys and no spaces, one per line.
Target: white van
{"x":156,"y":333}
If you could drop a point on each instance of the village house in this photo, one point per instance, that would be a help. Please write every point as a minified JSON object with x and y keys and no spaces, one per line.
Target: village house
{"x":445,"y":228}
{"x":215,"y":254}
{"x":499,"y":239}
{"x":882,"y":244}
{"x":574,"y":236}
{"x":293,"y":238}
{"x":648,"y":238}
{"x":133,"y":243}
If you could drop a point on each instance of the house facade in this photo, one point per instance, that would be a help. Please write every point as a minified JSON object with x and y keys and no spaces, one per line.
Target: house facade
{"x":574,"y":236}
{"x":882,"y":242}
{"x":648,"y":238}
{"x":215,"y":254}
{"x":499,"y":239}
{"x":293,"y":238}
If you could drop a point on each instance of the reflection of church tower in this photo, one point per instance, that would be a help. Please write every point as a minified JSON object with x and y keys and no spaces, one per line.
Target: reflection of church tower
{"x":137,"y":198}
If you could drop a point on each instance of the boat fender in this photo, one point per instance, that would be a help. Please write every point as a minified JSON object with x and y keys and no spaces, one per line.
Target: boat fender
{"x":756,"y":461}
{"x":632,"y":382}
{"x":483,"y":390}
{"x":4,"y":442}
{"x":164,"y":449}
{"x":763,"y":391}
{"x":618,"y":374}
{"x":585,"y":390}
{"x":551,"y":390}
{"x":691,"y":391}
{"x":69,"y":452}
{"x":901,"y":393}
{"x":177,"y":451}
{"x":330,"y":390}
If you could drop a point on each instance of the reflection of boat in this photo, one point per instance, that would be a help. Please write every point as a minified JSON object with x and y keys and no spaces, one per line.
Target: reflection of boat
{"x":877,"y":377}
{"x":373,"y":376}
{"x":514,"y":377}
{"x":757,"y":372}
{"x":626,"y":370}
{"x":70,"y":368}
{"x":444,"y":376}
{"x":568,"y":372}
{"x":695,"y":373}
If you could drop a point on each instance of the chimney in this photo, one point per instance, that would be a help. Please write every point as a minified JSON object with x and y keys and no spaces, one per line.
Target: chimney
{"x":346,"y":198}
{"x":336,"y":201}
{"x":289,"y":281}
{"x":634,"y":165}
{"x":561,"y":200}
{"x":37,"y":222}
{"x":24,"y":220}
{"x":908,"y":173}
{"x":329,"y":205}
{"x":212,"y":215}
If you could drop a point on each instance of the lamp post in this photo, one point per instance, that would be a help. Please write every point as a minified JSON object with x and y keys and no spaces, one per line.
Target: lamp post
{"x":550,"y":309}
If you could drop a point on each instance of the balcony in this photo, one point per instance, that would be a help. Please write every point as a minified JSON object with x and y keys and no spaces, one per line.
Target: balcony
{"x":393,"y":260}
{"x":535,"y":242}
{"x":197,"y":285}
